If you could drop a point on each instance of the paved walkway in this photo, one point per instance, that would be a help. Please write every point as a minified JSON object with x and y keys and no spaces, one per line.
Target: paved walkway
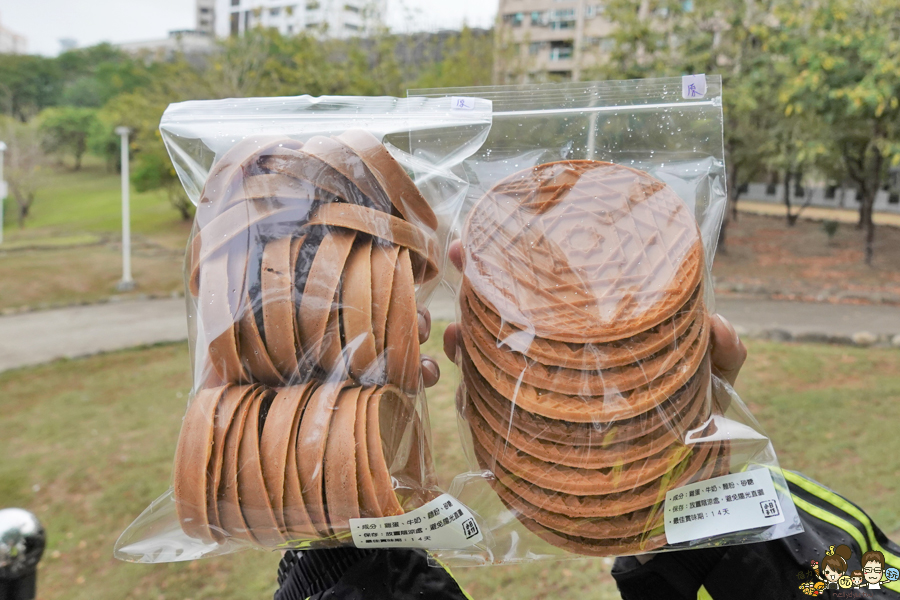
{"x":817,"y":213}
{"x":38,"y":337}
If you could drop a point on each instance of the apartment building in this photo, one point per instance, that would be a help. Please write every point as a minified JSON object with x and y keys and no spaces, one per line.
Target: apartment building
{"x":551,"y":39}
{"x":11,"y":42}
{"x":205,"y":17}
{"x":329,"y":18}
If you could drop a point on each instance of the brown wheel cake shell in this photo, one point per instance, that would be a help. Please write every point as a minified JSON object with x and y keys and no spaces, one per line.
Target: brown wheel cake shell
{"x":590,"y":456}
{"x":333,"y":359}
{"x":607,"y":528}
{"x":311,"y":441}
{"x":580,"y":356}
{"x":384,"y":263}
{"x":281,"y":422}
{"x":227,"y":174}
{"x":639,"y":544}
{"x":351,"y":166}
{"x":404,"y":195}
{"x":697,"y":467}
{"x":232,"y":227}
{"x":339,"y":465}
{"x":582,"y":251}
{"x":297,"y":521}
{"x":578,"y":381}
{"x":317,"y":301}
{"x":585,"y":408}
{"x":217,"y":321}
{"x":369,"y":505}
{"x":225,"y":414}
{"x":192,"y":457}
{"x":231,"y":517}
{"x":421,"y":244}
{"x":670,"y":413}
{"x":309,"y":168}
{"x":356,"y":310}
{"x":575,"y":480}
{"x":276,"y":288}
{"x":254,"y":497}
{"x":253,"y":351}
{"x":401,"y":333}
{"x":387,"y":413}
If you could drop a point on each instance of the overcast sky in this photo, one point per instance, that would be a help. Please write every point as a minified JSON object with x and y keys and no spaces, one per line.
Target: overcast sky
{"x":45,"y":22}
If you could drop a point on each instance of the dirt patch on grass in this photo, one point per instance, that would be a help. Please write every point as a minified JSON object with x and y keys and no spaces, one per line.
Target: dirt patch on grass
{"x":801,"y":260}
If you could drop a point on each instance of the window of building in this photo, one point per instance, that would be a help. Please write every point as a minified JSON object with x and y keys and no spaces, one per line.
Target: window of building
{"x":563,"y":18}
{"x":351,"y":26}
{"x":204,"y":11}
{"x":312,"y":25}
{"x":204,"y":22}
{"x":290,"y":29}
{"x":246,"y":20}
{"x":514,"y":19}
{"x":235,"y":23}
{"x":561,"y":50}
{"x":235,"y":2}
{"x":275,"y":11}
{"x":539,"y":17}
{"x":351,"y":8}
{"x":289,"y":10}
{"x":534,"y":48}
{"x":313,"y":5}
{"x":607,"y":44}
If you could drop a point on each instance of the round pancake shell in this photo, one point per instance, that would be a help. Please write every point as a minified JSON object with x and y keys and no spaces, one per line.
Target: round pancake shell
{"x":583,"y":251}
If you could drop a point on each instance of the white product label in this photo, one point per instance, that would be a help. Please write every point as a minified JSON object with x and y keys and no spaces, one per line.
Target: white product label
{"x":444,"y":523}
{"x":693,"y":86}
{"x":460,"y":103}
{"x":722,"y":505}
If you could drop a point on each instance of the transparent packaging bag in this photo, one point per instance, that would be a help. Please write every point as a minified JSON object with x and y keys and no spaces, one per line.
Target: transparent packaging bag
{"x":592,"y":419}
{"x":310,"y":248}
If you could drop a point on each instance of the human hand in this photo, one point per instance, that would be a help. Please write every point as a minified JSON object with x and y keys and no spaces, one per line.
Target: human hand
{"x":430,"y":370}
{"x":728,"y":353}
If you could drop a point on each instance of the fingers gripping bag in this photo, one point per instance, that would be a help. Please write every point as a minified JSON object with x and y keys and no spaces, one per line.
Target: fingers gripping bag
{"x":593,"y":419}
{"x":311,"y":245}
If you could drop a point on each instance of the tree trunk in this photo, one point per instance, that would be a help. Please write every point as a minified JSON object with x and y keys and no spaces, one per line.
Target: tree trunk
{"x":791,"y":219}
{"x":870,"y":240}
{"x":864,"y":214}
{"x":24,"y":206}
{"x":734,"y":191}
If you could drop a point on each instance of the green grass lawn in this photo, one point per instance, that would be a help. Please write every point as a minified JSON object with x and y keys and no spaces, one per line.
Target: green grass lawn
{"x":70,"y":248}
{"x":89,"y":200}
{"x":87,"y":444}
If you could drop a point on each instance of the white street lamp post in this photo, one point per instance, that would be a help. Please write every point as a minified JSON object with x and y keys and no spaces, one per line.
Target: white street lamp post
{"x":2,"y":189}
{"x":127,"y":282}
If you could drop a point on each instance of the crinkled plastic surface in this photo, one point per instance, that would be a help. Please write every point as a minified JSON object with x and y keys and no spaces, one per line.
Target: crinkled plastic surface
{"x":585,"y":304}
{"x":309,"y":246}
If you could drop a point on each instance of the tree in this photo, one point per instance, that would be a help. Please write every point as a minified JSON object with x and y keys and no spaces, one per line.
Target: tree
{"x":659,"y":38}
{"x":846,"y":57}
{"x":95,"y":75}
{"x":28,"y":84}
{"x":466,"y":60}
{"x":65,"y":130}
{"x":24,"y":163}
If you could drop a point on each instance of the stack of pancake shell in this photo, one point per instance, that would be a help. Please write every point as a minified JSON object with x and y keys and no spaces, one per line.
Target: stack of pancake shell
{"x":303,"y":263}
{"x":585,"y":352}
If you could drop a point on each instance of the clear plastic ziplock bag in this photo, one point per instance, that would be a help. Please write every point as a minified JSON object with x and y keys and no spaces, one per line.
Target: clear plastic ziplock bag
{"x":309,"y":247}
{"x":592,"y":419}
